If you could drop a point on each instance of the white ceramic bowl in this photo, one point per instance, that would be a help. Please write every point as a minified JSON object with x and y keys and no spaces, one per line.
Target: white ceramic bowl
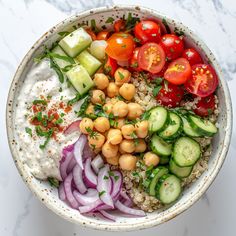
{"x":49,"y":196}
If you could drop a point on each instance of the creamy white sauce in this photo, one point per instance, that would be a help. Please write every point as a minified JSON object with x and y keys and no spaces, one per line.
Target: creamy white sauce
{"x":42,"y":80}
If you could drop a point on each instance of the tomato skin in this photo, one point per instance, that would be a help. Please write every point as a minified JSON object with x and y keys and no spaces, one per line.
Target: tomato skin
{"x":178,"y":71}
{"x":120,"y":46}
{"x":134,"y":66}
{"x":171,"y":96}
{"x":147,"y":31}
{"x":159,"y":74}
{"x":172,"y":45}
{"x":203,"y":81}
{"x":151,"y":57}
{"x":110,"y":66}
{"x":91,"y":33}
{"x":192,"y":56}
{"x":205,"y":106}
{"x":119,"y":25}
{"x":103,"y":35}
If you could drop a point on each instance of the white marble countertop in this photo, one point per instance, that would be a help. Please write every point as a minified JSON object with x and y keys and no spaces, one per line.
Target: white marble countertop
{"x":22,"y":23}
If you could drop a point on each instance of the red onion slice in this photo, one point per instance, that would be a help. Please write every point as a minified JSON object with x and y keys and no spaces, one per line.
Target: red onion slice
{"x":78,"y":150}
{"x":104,"y":186}
{"x":107,"y":215}
{"x":97,"y":163}
{"x":117,"y":180}
{"x":86,"y":199}
{"x":88,"y":152}
{"x":124,"y":195}
{"x":89,"y":176}
{"x":91,"y":207}
{"x":120,"y":206}
{"x":78,"y":179}
{"x":61,"y":192}
{"x":71,"y":165}
{"x":68,"y":190}
{"x":73,"y":127}
{"x":65,"y":161}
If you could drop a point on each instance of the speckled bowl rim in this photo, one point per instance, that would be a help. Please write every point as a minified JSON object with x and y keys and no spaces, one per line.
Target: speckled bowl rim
{"x":146,"y":222}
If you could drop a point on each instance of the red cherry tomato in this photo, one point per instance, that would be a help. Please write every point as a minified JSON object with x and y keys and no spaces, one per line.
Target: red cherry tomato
{"x":203,"y":81}
{"x":151,"y":57}
{"x":172,"y":45}
{"x":178,"y":71}
{"x":134,"y":66}
{"x":170,"y":95}
{"x":110,"y":66}
{"x":119,"y":25}
{"x":192,"y":56}
{"x":120,"y":46}
{"x":103,"y":35}
{"x":205,"y":106}
{"x":147,"y":31}
{"x":159,"y":74}
{"x":91,"y":33}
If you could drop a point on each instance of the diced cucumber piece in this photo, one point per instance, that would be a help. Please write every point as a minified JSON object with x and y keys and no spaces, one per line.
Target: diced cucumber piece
{"x":188,"y":130}
{"x":159,"y":146}
{"x":186,"y":152}
{"x":168,"y":188}
{"x":155,"y":176}
{"x":80,"y":79}
{"x":75,"y":42}
{"x":174,"y":127}
{"x":181,"y":172}
{"x":89,"y":62}
{"x":164,"y":160}
{"x":158,"y":119}
{"x":60,"y":62}
{"x":202,"y":126}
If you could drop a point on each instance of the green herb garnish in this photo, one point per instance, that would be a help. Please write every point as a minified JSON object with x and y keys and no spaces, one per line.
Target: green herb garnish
{"x":101,"y":193}
{"x":84,"y":106}
{"x":121,"y":75}
{"x":110,"y":20}
{"x":40,"y":101}
{"x":94,"y":26}
{"x":58,"y":121}
{"x":156,"y":90}
{"x":178,"y":32}
{"x":166,"y":26}
{"x":131,"y":21}
{"x":76,"y":99}
{"x":53,"y":182}
{"x":63,"y":33}
{"x":28,"y":131}
{"x":105,"y":177}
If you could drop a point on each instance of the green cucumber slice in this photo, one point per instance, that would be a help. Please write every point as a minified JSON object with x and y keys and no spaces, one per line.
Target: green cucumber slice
{"x":181,"y":172}
{"x":159,"y":146}
{"x":188,"y":130}
{"x":164,"y":160}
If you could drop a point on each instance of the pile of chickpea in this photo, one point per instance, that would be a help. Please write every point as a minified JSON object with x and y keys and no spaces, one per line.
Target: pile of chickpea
{"x":119,"y":142}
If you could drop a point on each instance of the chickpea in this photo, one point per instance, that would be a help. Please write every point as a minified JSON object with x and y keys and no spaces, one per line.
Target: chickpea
{"x":122,"y":76}
{"x":113,"y":160}
{"x":127,"y":162}
{"x":96,"y":140}
{"x":109,"y":150}
{"x":127,"y":91}
{"x":128,"y":131}
{"x":120,"y":122}
{"x":141,"y":129}
{"x":112,"y":90}
{"x":98,"y":96}
{"x":135,"y":110}
{"x":102,"y":124}
{"x":114,"y":100}
{"x":151,"y":158}
{"x":127,"y":145}
{"x":108,"y":108}
{"x":101,"y":81}
{"x":90,"y":109}
{"x":114,"y":136}
{"x":120,"y":109}
{"x":140,"y":146}
{"x":86,"y":125}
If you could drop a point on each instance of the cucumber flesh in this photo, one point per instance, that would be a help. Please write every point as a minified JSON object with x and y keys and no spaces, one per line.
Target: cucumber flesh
{"x":158,"y":119}
{"x":80,"y":79}
{"x":160,"y":147}
{"x":75,"y":42}
{"x":168,"y":189}
{"x":186,"y":152}
{"x":188,"y":130}
{"x":164,"y":160}
{"x":181,"y":172}
{"x":89,"y":62}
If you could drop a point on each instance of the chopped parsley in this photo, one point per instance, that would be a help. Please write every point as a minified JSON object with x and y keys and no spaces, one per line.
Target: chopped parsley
{"x":60,"y":89}
{"x":101,"y":193}
{"x":63,"y":33}
{"x":58,"y":121}
{"x":116,"y":177}
{"x":136,"y":40}
{"x":39,"y":101}
{"x":134,"y":65}
{"x":53,"y":182}
{"x":94,"y":26}
{"x":135,"y":174}
{"x":105,"y":177}
{"x":28,"y":131}
{"x":121,"y":75}
{"x":110,"y":20}
{"x":131,"y":21}
{"x":84,"y":107}
{"x":156,"y":90}
{"x":166,"y":26}
{"x":77,"y":97}
{"x":178,"y":32}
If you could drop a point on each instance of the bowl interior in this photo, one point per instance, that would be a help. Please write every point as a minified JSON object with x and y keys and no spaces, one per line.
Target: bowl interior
{"x":49,"y":196}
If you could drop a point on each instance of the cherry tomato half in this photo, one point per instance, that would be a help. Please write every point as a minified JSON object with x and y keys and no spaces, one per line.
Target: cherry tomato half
{"x":120,"y":46}
{"x":147,"y":31}
{"x":103,"y":35}
{"x":91,"y":33}
{"x":203,"y":81}
{"x":170,"y":95}
{"x":119,"y":25}
{"x":159,"y":74}
{"x":134,"y":66}
{"x":172,"y":45}
{"x":205,"y":106}
{"x":151,"y":57}
{"x":110,"y":66}
{"x":178,"y":71}
{"x":192,"y":56}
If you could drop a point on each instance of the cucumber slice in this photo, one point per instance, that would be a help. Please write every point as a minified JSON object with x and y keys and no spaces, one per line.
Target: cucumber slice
{"x":203,"y":127}
{"x":155,"y":176}
{"x":89,"y":62}
{"x":158,"y":119}
{"x":174,"y":127}
{"x":181,"y":172}
{"x":164,"y":160}
{"x":159,"y":146}
{"x":75,"y":42}
{"x":168,"y":188}
{"x":80,"y":79}
{"x":186,"y":152}
{"x":188,"y":130}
